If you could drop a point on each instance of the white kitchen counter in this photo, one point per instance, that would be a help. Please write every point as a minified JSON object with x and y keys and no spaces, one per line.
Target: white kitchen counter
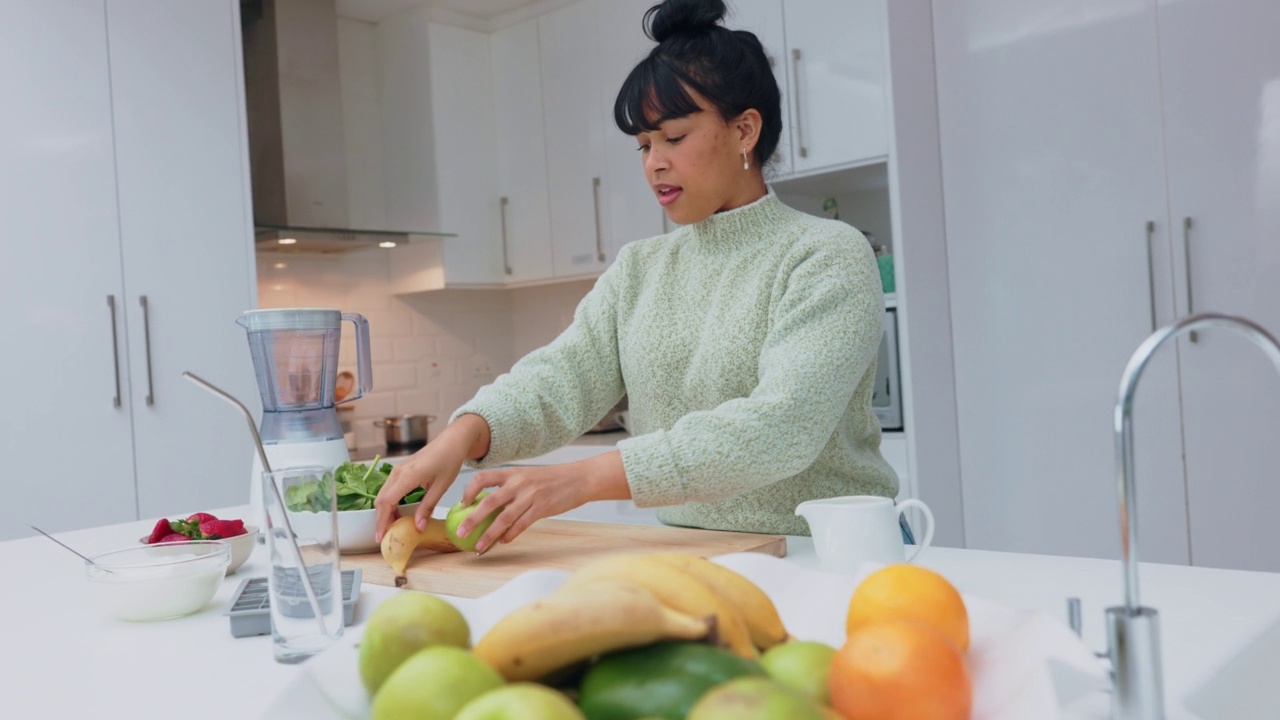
{"x":62,"y":658}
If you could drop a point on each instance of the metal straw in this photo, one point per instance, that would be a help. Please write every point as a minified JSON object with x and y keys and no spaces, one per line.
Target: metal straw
{"x":266,"y":467}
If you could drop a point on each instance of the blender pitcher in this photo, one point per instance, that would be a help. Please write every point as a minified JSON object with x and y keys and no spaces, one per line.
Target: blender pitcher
{"x":295,"y":358}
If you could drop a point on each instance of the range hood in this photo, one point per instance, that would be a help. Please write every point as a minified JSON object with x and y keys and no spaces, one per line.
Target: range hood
{"x":296,"y":141}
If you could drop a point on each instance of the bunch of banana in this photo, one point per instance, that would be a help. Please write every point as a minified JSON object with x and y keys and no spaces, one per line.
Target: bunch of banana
{"x":567,"y":627}
{"x":763,"y":622}
{"x":746,"y":619}
{"x":624,"y":601}
{"x":675,"y":588}
{"x":403,"y":538}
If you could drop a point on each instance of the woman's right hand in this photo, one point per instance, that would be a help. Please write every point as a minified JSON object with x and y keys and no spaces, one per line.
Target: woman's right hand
{"x":434,"y":468}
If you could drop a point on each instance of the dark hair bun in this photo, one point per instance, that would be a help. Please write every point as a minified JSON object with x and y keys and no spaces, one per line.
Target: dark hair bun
{"x":682,"y":17}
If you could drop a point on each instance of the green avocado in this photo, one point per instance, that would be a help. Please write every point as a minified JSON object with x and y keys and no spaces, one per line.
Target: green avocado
{"x":662,"y":680}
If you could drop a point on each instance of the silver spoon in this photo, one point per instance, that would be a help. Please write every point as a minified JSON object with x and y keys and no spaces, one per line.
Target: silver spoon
{"x":68,"y":547}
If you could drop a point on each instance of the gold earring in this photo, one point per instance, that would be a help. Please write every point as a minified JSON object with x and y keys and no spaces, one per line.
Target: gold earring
{"x":745,"y":164}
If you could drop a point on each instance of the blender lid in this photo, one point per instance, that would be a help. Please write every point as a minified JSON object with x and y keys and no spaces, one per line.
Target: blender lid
{"x":291,"y":319}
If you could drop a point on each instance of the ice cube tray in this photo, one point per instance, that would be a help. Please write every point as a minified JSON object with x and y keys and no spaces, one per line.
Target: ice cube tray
{"x":250,"y":612}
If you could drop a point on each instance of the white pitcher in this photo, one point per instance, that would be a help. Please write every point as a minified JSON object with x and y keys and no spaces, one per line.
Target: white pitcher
{"x":849,"y":531}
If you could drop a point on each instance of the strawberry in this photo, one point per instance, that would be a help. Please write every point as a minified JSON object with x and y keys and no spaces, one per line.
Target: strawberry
{"x":175,"y":537}
{"x":162,"y":528}
{"x":201,"y":517}
{"x":220,"y":529}
{"x":189,"y":528}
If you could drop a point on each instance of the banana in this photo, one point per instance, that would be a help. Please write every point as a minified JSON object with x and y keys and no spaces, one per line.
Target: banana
{"x":763,"y":622}
{"x":567,"y":627}
{"x":675,"y":588}
{"x":403,"y":538}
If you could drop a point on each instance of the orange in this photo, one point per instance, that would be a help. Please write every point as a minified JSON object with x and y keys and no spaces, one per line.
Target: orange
{"x":910,"y":592}
{"x":900,"y":670}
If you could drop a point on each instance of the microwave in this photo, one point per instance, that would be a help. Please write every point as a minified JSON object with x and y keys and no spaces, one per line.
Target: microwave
{"x":886,"y":400}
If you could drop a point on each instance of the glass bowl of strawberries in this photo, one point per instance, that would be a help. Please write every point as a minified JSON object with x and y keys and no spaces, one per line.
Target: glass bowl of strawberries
{"x":205,"y":526}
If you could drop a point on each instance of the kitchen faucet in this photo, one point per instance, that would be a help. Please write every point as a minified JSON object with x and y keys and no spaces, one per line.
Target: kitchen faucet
{"x":1133,"y":631}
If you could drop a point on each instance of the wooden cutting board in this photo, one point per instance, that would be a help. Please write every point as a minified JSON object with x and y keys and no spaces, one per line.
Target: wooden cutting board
{"x":558,"y":544}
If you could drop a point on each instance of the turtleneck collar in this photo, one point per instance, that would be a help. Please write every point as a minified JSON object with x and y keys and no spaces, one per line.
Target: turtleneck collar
{"x":741,"y":224}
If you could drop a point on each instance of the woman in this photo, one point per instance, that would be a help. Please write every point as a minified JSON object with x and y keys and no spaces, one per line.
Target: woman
{"x":745,"y":340}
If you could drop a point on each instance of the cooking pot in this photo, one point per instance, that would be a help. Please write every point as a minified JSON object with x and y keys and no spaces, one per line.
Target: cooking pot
{"x":405,"y":430}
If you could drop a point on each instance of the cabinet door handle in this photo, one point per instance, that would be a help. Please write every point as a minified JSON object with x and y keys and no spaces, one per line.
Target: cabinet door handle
{"x":115,"y":348}
{"x":1186,"y":255}
{"x":1151,"y":273}
{"x":146,"y":339}
{"x":502,"y":213}
{"x":795,"y":72}
{"x":595,"y":202}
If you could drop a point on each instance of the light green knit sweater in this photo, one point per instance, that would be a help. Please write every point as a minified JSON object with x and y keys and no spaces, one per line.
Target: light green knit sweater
{"x":746,"y":345}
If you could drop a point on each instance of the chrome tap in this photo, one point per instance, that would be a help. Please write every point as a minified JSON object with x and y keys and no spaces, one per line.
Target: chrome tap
{"x":1133,"y":631}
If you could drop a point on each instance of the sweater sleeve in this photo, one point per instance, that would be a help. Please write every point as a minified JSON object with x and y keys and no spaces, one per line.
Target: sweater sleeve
{"x":557,"y":392}
{"x":824,"y":334}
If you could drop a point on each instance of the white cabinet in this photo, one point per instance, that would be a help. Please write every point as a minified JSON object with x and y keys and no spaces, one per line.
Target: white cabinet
{"x":61,"y":268}
{"x":524,"y":203}
{"x":487,"y":137}
{"x":126,"y":179}
{"x":574,"y":139}
{"x":634,"y":212}
{"x":764,"y":19}
{"x":830,"y":63}
{"x":462,"y":117}
{"x":1065,"y":249}
{"x":1220,"y":67}
{"x":836,"y":53}
{"x":438,"y":133}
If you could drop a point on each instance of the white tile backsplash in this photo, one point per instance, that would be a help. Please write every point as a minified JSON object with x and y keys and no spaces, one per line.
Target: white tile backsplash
{"x":395,"y":377}
{"x":452,"y":346}
{"x":413,"y":349}
{"x":432,"y":351}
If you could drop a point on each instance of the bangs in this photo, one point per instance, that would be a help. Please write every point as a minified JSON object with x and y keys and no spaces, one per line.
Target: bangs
{"x":653,"y":93}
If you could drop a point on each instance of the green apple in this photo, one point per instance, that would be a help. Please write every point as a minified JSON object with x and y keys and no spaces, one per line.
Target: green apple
{"x":801,"y":665}
{"x":401,"y":626}
{"x":435,"y":683}
{"x":521,"y":701}
{"x":754,"y":698}
{"x":460,"y":512}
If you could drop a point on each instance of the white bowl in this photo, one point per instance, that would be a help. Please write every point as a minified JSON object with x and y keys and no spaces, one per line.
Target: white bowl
{"x":161,"y":581}
{"x":241,"y":546}
{"x":355,"y":527}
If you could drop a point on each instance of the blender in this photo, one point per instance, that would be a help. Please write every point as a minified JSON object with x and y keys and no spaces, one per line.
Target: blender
{"x":295,"y":358}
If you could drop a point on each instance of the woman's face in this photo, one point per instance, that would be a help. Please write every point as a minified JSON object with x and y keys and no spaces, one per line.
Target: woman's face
{"x":694,"y":164}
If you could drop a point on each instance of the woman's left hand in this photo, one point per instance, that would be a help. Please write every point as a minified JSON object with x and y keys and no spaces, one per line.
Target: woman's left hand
{"x":529,"y":494}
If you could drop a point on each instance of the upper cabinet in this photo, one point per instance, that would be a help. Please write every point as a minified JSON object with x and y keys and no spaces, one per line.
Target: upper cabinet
{"x":764,"y":19}
{"x":829,"y":59}
{"x":574,"y":138}
{"x":507,"y":137}
{"x":438,"y":134}
{"x":634,"y":212}
{"x":836,"y":52}
{"x":524,"y":203}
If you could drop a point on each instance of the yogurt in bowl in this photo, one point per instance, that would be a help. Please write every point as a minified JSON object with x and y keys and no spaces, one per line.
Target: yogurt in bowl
{"x":158,"y":582}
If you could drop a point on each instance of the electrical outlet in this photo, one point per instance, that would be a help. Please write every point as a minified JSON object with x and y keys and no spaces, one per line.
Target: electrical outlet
{"x":480,"y":368}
